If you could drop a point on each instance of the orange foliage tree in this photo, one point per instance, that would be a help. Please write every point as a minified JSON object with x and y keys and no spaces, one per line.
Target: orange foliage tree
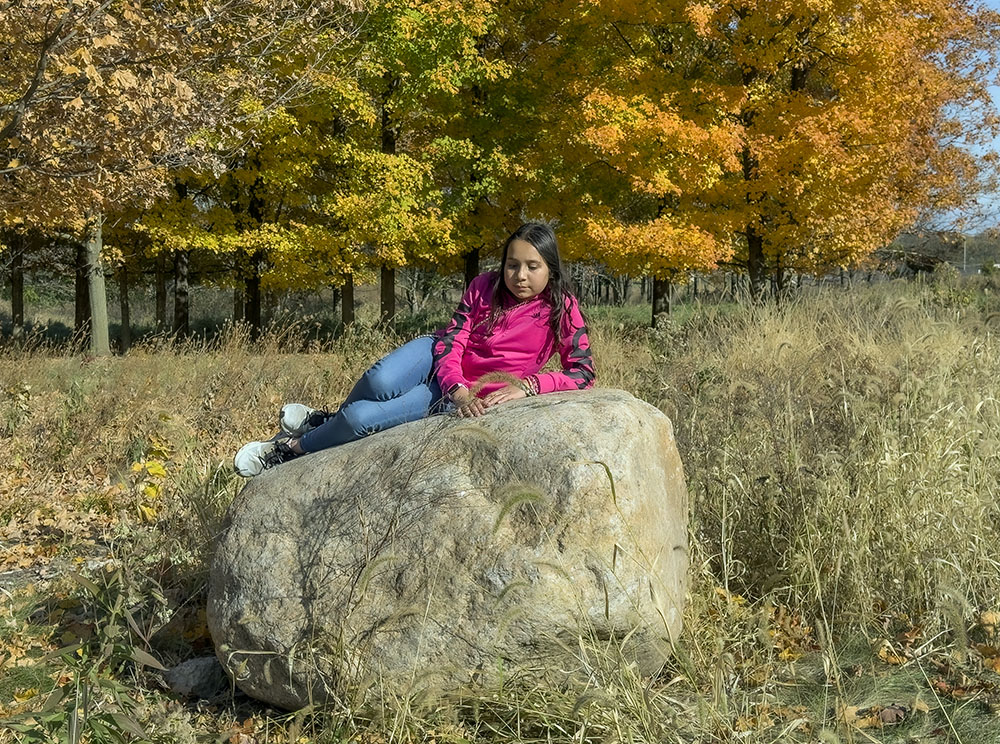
{"x":777,"y":136}
{"x":855,"y":116}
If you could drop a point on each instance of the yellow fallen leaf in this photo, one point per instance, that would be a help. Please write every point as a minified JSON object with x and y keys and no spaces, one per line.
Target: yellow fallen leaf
{"x":856,"y":716}
{"x":987,"y":650}
{"x":156,"y":469}
{"x":789,"y":654}
{"x":991,"y":656}
{"x":20,"y":697}
{"x":888,"y":654}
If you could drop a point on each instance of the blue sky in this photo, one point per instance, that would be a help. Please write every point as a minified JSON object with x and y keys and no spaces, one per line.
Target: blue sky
{"x":995,"y":90}
{"x":992,"y":219}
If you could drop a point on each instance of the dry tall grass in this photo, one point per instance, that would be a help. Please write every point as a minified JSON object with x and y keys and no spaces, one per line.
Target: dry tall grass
{"x":841,"y":451}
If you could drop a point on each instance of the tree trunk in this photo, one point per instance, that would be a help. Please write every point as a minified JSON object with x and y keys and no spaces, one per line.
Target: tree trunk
{"x":471,"y":266}
{"x":17,"y":284}
{"x":755,"y":241}
{"x":81,"y":320}
{"x":662,"y":298}
{"x":411,"y":291}
{"x":388,"y":298}
{"x":182,"y":320}
{"x":756,"y":270}
{"x":780,"y":280}
{"x":390,"y":136}
{"x":251,"y":290}
{"x":239,"y":305}
{"x":270,"y":303}
{"x":125,"y":334}
{"x":160,"y":279}
{"x":100,"y":344}
{"x":347,"y":301}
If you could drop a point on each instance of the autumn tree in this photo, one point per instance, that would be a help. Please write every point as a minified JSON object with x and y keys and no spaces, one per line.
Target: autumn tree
{"x":99,"y":99}
{"x":484,"y":154}
{"x":343,"y":176}
{"x":413,"y":62}
{"x":260,"y":217}
{"x":801,"y":136}
{"x":857,"y":119}
{"x":84,"y":115}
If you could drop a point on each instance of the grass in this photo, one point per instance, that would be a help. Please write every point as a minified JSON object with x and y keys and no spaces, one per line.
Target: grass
{"x":841,"y":450}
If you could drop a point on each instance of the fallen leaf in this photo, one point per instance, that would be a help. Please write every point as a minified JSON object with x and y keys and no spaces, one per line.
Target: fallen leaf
{"x":873,"y":716}
{"x":893,"y":714}
{"x":991,"y":656}
{"x":989,"y":621}
{"x":24,"y":695}
{"x":888,"y":654}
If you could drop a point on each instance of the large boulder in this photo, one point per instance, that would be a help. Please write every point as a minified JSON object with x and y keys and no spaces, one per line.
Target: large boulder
{"x":448,"y":549}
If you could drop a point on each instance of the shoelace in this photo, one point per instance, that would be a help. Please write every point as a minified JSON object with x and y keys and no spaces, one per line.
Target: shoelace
{"x":319,"y":417}
{"x":281,"y":453}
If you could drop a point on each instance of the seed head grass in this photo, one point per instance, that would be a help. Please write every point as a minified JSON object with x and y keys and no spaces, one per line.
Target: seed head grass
{"x":841,"y":450}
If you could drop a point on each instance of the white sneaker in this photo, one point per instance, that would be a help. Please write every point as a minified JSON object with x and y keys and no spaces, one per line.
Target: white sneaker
{"x":297,"y":419}
{"x":254,"y":458}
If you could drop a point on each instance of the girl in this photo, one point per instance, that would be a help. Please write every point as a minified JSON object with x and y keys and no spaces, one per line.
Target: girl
{"x":507,"y":325}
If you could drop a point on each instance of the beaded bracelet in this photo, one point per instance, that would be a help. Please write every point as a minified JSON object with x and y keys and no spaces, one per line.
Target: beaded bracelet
{"x":529,"y":385}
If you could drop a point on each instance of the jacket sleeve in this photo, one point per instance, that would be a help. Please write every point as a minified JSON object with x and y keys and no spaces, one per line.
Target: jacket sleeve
{"x":450,"y":346}
{"x":574,"y":353}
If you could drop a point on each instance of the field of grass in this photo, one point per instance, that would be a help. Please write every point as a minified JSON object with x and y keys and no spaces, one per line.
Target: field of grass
{"x":841,"y":448}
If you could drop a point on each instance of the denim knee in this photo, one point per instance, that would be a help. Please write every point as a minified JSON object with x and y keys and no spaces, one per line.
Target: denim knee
{"x":361,"y":417}
{"x":398,"y":372}
{"x":382,"y":382}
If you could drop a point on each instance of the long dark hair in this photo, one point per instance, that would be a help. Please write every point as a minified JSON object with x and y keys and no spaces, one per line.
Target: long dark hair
{"x":560,"y":289}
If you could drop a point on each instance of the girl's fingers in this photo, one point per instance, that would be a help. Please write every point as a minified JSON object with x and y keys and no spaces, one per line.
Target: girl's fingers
{"x":472,"y":408}
{"x":479,"y":406}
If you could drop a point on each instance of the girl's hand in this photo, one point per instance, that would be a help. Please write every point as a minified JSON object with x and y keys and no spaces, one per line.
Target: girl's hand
{"x":503,"y":395}
{"x":468,"y":405}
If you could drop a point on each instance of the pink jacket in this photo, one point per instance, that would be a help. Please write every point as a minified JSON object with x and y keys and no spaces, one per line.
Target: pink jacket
{"x":519,"y":343}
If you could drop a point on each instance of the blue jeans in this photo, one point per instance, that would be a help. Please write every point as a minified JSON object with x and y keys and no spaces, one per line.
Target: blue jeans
{"x":399,"y":387}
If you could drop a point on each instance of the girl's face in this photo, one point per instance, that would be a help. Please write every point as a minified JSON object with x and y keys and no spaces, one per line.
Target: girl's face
{"x":525,"y":272}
